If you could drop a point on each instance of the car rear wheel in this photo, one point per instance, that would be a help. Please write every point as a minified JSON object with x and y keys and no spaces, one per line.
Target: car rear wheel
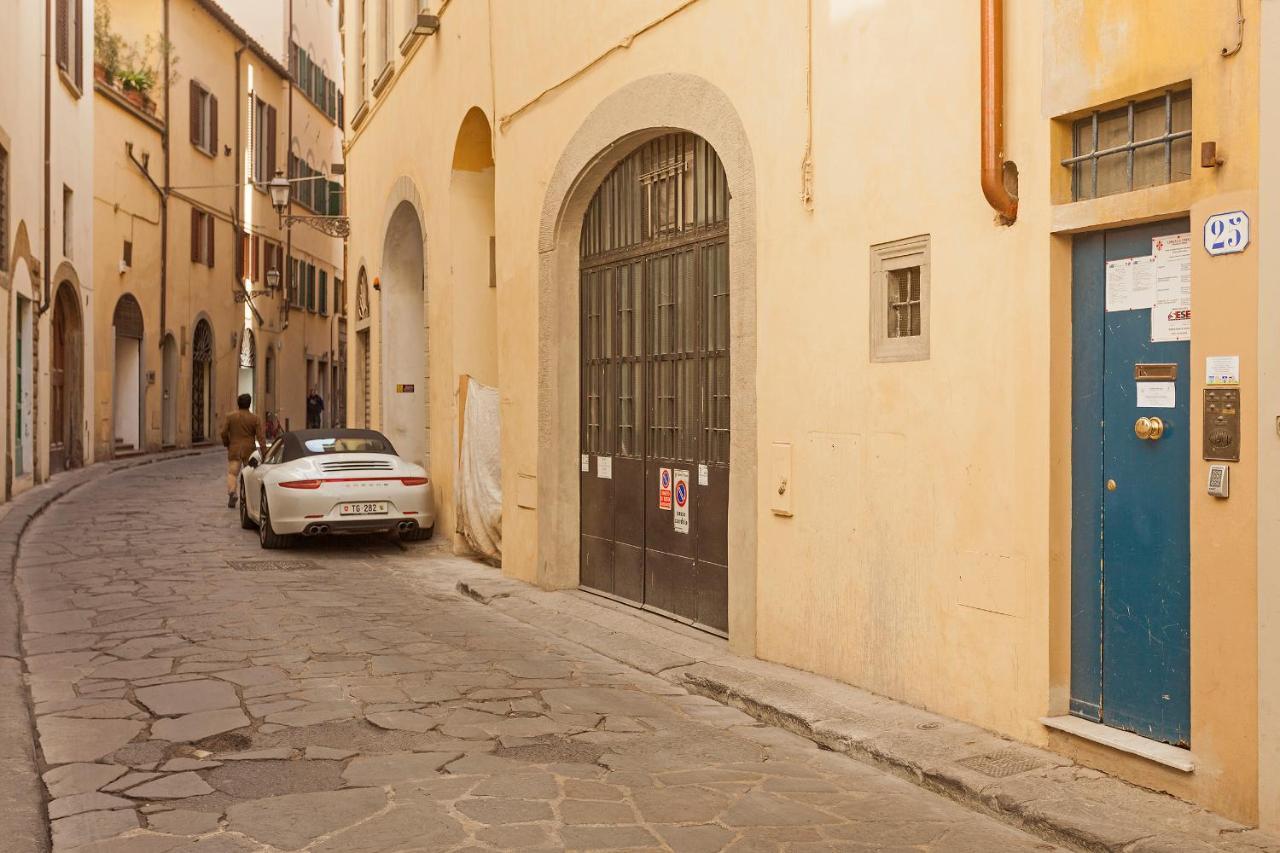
{"x":418,"y":534}
{"x":267,"y":537}
{"x":245,"y":521}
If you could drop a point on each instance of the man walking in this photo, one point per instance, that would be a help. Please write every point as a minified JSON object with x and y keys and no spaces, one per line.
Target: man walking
{"x":241,"y":435}
{"x":315,"y":409}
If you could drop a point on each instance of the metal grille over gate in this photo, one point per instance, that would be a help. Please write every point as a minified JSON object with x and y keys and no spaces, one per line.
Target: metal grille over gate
{"x":201,"y":379}
{"x":127,"y":318}
{"x":654,"y":269}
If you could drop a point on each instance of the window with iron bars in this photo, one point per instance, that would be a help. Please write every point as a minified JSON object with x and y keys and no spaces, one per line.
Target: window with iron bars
{"x":1141,"y":144}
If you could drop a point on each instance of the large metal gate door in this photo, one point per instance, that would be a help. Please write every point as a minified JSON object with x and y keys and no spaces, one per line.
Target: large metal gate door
{"x":655,"y":383}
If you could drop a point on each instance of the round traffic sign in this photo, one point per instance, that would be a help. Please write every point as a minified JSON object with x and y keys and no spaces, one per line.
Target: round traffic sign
{"x":682,"y":493}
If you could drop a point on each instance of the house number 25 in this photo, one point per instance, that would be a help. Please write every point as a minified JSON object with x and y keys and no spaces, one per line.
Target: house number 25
{"x":1225,"y":233}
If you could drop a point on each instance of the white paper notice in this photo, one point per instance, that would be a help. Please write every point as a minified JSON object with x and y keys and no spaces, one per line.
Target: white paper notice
{"x":586,"y":463}
{"x":1131,"y":283}
{"x":604,"y":467}
{"x":1171,"y":311}
{"x":704,"y":475}
{"x":1222,"y":370}
{"x":1155,"y":395}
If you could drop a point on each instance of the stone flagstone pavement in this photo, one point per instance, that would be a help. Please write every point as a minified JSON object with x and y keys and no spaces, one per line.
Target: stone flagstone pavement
{"x":189,"y":696}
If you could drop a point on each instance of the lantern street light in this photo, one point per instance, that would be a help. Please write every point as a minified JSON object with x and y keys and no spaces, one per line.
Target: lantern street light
{"x":273,"y":278}
{"x":280,"y":188}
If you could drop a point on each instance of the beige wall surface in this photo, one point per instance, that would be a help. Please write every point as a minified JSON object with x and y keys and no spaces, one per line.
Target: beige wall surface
{"x":1268,"y":424}
{"x":928,"y":554}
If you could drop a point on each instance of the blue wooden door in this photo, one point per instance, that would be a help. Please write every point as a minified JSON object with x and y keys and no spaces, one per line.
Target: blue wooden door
{"x":1130,"y":629}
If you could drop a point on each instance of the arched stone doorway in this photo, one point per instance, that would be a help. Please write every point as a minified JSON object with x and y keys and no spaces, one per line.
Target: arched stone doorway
{"x":655,"y":397}
{"x":248,"y":373}
{"x":169,"y":393}
{"x":642,"y":111}
{"x":66,"y":381}
{"x":126,"y":398}
{"x":405,"y":397}
{"x":202,"y":383}
{"x":472,"y":260}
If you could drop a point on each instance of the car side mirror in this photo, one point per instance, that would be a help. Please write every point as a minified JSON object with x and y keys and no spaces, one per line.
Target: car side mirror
{"x":253,"y":462}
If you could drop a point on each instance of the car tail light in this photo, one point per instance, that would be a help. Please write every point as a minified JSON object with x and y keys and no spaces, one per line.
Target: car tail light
{"x":301,"y":484}
{"x":414,"y":481}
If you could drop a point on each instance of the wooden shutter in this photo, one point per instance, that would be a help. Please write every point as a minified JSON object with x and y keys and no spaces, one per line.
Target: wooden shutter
{"x":195,"y":236}
{"x":194,"y":89}
{"x":79,"y":41}
{"x":208,"y":221}
{"x":64,"y":43}
{"x":271,"y":143}
{"x":213,"y":124}
{"x":256,"y":273}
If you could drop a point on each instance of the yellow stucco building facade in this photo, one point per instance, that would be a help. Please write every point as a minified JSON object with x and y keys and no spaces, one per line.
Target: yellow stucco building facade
{"x":185,"y":233}
{"x":770,"y":363}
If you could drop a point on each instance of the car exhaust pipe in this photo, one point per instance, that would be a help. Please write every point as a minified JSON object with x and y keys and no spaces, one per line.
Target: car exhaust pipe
{"x":315,"y":530}
{"x":406,"y":526}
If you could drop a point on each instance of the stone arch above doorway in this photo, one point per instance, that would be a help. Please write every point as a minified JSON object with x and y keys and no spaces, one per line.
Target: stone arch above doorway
{"x":402,"y":306}
{"x":642,"y":110}
{"x":66,"y":376}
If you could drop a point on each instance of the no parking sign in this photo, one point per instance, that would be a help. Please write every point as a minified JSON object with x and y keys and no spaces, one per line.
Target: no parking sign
{"x":664,"y":488}
{"x":680,"y":518}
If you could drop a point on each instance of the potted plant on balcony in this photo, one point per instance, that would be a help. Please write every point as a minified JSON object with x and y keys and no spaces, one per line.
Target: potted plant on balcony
{"x":136,"y":83}
{"x":108,"y":46}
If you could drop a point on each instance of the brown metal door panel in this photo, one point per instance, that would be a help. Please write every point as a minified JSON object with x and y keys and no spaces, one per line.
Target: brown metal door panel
{"x":628,"y":572}
{"x":669,"y":584}
{"x":628,"y":501}
{"x":597,"y":563}
{"x":712,"y":581}
{"x":709,"y":514}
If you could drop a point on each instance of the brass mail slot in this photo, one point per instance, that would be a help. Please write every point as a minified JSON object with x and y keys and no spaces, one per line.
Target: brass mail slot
{"x":1155,"y":372}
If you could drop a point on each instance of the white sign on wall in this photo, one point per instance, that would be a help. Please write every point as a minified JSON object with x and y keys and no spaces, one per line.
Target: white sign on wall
{"x":1226,"y":233}
{"x":680,"y":517}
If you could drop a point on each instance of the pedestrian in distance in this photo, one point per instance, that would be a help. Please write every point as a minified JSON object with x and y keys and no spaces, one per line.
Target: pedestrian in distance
{"x":315,"y":409}
{"x":242,"y":434}
{"x":273,"y":428}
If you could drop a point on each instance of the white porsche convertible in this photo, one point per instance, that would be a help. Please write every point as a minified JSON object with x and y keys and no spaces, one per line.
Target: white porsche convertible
{"x":317,"y":481}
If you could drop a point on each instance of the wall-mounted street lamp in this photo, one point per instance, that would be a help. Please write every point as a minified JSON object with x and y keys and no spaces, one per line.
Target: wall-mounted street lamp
{"x":273,"y":278}
{"x":279,"y":187}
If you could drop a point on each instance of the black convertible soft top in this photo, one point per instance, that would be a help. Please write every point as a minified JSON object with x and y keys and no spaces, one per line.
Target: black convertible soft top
{"x":295,"y":443}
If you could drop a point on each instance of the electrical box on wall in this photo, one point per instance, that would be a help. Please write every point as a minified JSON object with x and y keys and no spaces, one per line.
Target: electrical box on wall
{"x":1222,"y":424}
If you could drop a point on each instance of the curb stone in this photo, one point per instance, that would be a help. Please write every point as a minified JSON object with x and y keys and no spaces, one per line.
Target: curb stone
{"x":1032,"y":789}
{"x":24,"y":824}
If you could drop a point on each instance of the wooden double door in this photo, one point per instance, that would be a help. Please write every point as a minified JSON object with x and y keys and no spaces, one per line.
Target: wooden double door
{"x":654,"y":468}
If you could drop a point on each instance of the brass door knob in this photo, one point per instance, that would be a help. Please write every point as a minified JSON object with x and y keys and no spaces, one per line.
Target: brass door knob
{"x":1148,"y":429}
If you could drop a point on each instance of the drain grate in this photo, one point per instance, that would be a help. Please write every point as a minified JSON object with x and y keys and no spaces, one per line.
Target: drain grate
{"x":998,"y":765}
{"x":273,"y":565}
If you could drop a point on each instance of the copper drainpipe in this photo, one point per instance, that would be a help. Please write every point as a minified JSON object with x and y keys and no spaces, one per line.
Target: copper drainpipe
{"x":993,"y":186}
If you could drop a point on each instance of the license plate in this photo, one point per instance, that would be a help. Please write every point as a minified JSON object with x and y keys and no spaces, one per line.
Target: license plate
{"x":372,"y":508}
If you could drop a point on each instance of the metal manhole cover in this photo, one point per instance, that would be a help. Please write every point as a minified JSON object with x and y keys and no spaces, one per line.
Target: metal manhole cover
{"x":272,"y":565}
{"x":1009,"y":762}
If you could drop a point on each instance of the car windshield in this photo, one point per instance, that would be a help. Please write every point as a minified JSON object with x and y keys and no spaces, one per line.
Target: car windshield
{"x":361,"y":444}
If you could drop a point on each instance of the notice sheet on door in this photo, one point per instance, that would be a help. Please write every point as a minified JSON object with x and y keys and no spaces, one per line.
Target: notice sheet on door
{"x":1131,"y":283}
{"x":1171,"y":311}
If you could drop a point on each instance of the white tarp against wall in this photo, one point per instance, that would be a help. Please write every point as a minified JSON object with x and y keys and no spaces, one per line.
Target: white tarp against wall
{"x":479,"y":481}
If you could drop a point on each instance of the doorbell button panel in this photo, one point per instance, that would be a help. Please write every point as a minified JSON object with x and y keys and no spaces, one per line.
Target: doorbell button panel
{"x":1222,"y":424}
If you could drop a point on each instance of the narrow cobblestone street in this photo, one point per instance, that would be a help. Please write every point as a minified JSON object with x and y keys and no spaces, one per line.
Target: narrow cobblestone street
{"x":191,"y":696}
